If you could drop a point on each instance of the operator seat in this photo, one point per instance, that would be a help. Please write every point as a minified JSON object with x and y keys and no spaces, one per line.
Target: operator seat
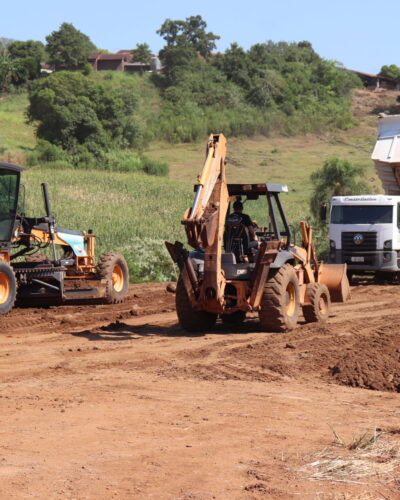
{"x":236,"y":238}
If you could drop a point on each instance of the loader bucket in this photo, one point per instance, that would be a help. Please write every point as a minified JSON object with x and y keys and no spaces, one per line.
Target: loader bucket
{"x":335,"y":278}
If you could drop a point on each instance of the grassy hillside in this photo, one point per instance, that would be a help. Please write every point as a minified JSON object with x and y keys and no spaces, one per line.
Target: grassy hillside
{"x":135,"y":213}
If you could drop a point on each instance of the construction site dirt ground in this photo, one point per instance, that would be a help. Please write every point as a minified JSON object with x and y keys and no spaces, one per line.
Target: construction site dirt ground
{"x":101,"y":402}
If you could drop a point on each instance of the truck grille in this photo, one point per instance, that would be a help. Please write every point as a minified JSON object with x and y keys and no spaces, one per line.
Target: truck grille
{"x":367,"y":241}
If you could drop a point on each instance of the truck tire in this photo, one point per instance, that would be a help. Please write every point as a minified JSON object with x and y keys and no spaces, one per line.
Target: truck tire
{"x":280,"y":303}
{"x":190,"y":319}
{"x":113,"y":268}
{"x":8,"y":287}
{"x":317,"y":310}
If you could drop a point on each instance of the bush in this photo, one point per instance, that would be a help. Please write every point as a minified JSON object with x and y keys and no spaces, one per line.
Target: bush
{"x":124,"y":161}
{"x":154,"y":167}
{"x":148,"y":260}
{"x":114,"y":161}
{"x":45,"y":152}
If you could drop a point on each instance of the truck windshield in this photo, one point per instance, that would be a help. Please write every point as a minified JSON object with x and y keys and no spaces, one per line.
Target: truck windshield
{"x":362,"y":214}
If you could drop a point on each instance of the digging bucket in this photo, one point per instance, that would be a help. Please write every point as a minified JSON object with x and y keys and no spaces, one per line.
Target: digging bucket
{"x":335,"y":278}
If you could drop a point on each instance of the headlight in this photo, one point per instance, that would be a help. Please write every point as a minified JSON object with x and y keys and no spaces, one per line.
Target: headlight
{"x":387,"y":245}
{"x":387,"y":257}
{"x":332,"y":244}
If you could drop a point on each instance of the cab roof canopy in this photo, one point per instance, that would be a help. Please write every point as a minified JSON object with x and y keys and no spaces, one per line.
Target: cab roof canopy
{"x":260,"y":189}
{"x":10,"y":166}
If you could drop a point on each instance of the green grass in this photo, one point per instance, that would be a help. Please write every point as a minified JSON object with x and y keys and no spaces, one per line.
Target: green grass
{"x":15,"y":135}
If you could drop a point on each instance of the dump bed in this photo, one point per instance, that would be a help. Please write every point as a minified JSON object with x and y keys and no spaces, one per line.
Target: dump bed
{"x":386,"y":153}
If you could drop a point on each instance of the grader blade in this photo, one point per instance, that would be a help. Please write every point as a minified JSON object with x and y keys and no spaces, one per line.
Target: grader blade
{"x":335,"y":278}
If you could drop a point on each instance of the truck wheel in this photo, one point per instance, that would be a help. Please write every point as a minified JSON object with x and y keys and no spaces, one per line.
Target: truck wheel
{"x":317,"y":310}
{"x":190,"y":319}
{"x":280,"y":303}
{"x":8,"y":287}
{"x":233,"y":319}
{"x":113,"y":268}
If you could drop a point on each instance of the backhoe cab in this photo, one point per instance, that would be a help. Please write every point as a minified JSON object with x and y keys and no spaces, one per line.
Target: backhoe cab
{"x":66,"y":270}
{"x":226,"y":276}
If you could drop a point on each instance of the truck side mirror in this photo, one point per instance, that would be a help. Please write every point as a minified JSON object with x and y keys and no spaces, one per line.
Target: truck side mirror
{"x":322,"y":212}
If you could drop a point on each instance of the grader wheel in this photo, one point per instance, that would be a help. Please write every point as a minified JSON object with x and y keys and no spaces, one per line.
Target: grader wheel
{"x":280,"y":304}
{"x":190,"y":319}
{"x":113,"y":268}
{"x":8,"y":287}
{"x":317,"y":310}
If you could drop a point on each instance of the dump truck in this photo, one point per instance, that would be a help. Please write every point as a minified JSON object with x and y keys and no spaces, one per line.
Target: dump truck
{"x":40,"y":260}
{"x":364,"y":230}
{"x":226,"y":276}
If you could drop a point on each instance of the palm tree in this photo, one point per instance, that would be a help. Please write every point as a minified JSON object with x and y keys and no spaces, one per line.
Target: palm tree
{"x":336,"y":178}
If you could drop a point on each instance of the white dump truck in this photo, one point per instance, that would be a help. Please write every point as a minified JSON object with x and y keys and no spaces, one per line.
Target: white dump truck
{"x":364,"y":231}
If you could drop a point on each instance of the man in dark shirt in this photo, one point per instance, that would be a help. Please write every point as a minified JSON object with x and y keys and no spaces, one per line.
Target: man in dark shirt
{"x":242,"y":218}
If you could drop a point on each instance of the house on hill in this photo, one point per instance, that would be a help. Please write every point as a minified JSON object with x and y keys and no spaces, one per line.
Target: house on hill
{"x":122,"y":61}
{"x":377,"y":81}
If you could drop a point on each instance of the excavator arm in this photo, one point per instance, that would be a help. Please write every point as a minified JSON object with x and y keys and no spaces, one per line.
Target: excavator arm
{"x":204,"y":225}
{"x":200,"y":220}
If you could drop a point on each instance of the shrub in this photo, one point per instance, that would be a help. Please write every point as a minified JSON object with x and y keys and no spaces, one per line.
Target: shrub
{"x":45,"y":152}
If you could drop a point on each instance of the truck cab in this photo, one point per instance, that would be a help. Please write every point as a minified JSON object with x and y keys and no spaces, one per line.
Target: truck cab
{"x":364,"y":232}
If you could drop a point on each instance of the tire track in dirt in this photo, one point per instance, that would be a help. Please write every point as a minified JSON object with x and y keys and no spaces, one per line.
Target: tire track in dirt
{"x":358,"y":346}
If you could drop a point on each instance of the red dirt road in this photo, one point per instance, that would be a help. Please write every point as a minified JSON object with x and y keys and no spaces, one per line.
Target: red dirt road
{"x":101,"y":402}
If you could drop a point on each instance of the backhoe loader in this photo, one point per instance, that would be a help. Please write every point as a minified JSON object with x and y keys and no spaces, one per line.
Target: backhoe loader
{"x":226,"y":276}
{"x":70,"y":272}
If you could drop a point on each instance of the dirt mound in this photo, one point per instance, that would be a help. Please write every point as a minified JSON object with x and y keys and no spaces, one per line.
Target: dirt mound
{"x":347,"y":351}
{"x":373,"y":365}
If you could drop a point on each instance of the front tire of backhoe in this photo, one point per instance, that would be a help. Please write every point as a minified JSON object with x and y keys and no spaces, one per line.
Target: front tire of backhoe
{"x":317,"y":310}
{"x":113,"y":268}
{"x":190,"y":319}
{"x":8,"y":287}
{"x":280,"y":303}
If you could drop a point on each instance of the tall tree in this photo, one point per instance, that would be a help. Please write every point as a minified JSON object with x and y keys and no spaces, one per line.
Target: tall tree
{"x":28,"y":55}
{"x":191,"y":32}
{"x":142,"y":53}
{"x":68,"y":48}
{"x":9,"y":69}
{"x":185,"y":39}
{"x":391,"y":70}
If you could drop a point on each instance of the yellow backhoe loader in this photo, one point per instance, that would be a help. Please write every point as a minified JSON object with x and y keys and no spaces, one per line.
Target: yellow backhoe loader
{"x":227,"y":276}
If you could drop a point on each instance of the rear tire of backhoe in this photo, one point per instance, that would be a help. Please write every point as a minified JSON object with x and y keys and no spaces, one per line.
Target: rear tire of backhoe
{"x":113,"y":268}
{"x":317,"y":310}
{"x":190,"y":319}
{"x":280,"y":303}
{"x":8,"y":287}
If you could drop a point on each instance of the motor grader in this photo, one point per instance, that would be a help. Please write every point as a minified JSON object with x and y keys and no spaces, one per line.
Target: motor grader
{"x":227,"y":276}
{"x":70,"y":272}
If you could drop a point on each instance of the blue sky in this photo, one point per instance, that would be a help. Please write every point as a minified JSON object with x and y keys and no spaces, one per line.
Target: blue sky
{"x":359,"y":34}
